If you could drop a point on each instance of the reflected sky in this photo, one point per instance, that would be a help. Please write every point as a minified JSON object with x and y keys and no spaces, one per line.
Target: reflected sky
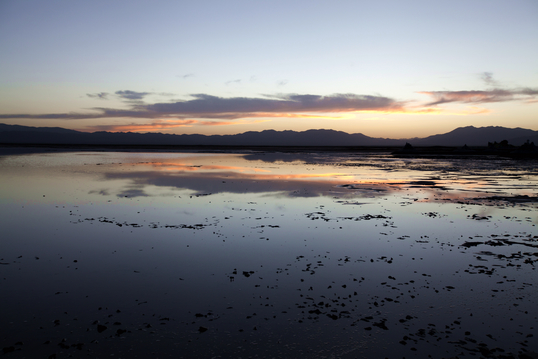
{"x":282,"y":174}
{"x":85,"y":177}
{"x":297,"y":175}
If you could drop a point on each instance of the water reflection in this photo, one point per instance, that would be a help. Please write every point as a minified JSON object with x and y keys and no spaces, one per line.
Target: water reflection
{"x":298,"y":176}
{"x":291,"y":185}
{"x":234,"y":255}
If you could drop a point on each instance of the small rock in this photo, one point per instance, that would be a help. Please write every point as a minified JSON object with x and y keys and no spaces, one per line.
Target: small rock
{"x":101,"y":328}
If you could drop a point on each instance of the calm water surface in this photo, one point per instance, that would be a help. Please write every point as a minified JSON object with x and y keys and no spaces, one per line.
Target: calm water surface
{"x":143,"y":255}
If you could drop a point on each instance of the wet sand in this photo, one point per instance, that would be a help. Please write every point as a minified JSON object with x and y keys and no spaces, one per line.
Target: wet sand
{"x":268,"y":254}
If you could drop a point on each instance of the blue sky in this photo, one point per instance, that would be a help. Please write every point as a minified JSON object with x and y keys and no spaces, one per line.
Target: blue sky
{"x":384,"y":68}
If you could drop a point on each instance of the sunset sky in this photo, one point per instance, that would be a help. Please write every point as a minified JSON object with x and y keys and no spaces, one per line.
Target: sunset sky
{"x":396,"y":69}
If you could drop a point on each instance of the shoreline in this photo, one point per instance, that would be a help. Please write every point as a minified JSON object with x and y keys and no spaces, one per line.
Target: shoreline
{"x":213,"y":148}
{"x":452,"y":152}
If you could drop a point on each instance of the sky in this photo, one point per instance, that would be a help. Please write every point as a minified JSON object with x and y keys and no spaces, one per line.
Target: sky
{"x":392,"y":69}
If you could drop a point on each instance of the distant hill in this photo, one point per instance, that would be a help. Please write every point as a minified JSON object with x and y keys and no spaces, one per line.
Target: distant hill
{"x":479,"y":136}
{"x":18,"y":128}
{"x":471,"y":136}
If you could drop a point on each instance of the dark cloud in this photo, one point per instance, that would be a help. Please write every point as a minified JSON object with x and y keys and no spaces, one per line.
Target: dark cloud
{"x":294,"y":186}
{"x":494,"y":95}
{"x":207,"y":104}
{"x":529,"y":91}
{"x":132,"y":192}
{"x":213,"y":107}
{"x":56,"y":116}
{"x":100,"y":95}
{"x":132,"y":95}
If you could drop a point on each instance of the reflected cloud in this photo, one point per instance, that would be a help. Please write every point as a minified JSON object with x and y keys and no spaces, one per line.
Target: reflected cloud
{"x":204,"y":180}
{"x":179,"y":166}
{"x":133,"y":192}
{"x":300,"y":185}
{"x":272,"y":157}
{"x":103,"y":192}
{"x":216,"y":178}
{"x":290,"y":185}
{"x":374,"y":178}
{"x":100,"y":95}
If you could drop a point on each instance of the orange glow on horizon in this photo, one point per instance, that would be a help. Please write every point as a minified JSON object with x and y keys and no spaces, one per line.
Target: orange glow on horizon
{"x":147,"y":127}
{"x":164,"y":125}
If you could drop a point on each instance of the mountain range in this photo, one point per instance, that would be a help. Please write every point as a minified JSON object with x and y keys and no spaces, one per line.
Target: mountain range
{"x":470,"y":135}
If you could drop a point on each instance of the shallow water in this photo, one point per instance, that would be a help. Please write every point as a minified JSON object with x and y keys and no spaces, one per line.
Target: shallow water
{"x":267,"y":255}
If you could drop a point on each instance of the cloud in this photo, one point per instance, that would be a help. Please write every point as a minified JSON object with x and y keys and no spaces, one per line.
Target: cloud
{"x":132,"y":95}
{"x":238,"y":81}
{"x":487,"y":77}
{"x":204,"y":106}
{"x":55,"y":116}
{"x":494,"y":95}
{"x":100,"y":95}
{"x":529,"y":92}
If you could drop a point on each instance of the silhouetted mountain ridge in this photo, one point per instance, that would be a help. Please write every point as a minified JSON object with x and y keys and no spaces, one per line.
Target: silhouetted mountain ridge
{"x":19,"y":128}
{"x":479,"y":136}
{"x":470,"y":135}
